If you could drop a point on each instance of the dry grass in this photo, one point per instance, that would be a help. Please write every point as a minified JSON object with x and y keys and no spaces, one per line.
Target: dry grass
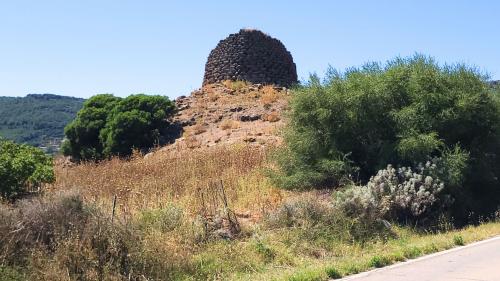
{"x":159,"y":202}
{"x":235,"y":85}
{"x":213,"y":96}
{"x":198,"y":129}
{"x":174,"y":176}
{"x":192,"y":142}
{"x":269,"y":95}
{"x":272,"y":117}
{"x":229,"y":124}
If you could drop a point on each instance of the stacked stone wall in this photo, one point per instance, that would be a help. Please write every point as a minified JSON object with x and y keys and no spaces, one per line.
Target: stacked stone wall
{"x":253,"y":56}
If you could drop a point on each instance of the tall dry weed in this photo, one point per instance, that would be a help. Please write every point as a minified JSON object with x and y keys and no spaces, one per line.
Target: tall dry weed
{"x":172,"y":176}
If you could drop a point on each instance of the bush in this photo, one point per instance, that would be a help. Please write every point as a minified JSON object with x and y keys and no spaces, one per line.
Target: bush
{"x":300,"y":212}
{"x":355,"y":123}
{"x":319,"y":220}
{"x":403,"y":194}
{"x":36,"y":223}
{"x":22,"y":169}
{"x":108,"y":125}
{"x":61,"y":236}
{"x":333,"y":273}
{"x":458,"y":240}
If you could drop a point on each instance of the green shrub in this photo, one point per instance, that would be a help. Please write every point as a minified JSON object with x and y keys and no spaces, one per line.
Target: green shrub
{"x":380,"y":261}
{"x":108,"y":125}
{"x":458,"y":240}
{"x":333,"y":273}
{"x":22,"y":168}
{"x":405,"y":112}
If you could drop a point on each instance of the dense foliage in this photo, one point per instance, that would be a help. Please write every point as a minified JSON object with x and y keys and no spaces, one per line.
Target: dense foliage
{"x":22,"y":168}
{"x":82,"y":134}
{"x":404,"y":113}
{"x":37,"y":119}
{"x":108,"y":125}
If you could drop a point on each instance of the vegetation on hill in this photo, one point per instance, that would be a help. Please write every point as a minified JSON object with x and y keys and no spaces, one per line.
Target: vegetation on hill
{"x":37,"y":120}
{"x":109,"y":125}
{"x":212,"y":213}
{"x":495,"y":88}
{"x":170,"y":222}
{"x":405,"y":113}
{"x":22,"y":168}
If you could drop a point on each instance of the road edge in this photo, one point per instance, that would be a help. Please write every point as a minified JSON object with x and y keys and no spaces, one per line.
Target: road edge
{"x":437,"y":254}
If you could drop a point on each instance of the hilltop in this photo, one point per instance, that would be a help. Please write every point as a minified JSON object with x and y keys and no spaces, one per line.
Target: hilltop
{"x":37,"y":119}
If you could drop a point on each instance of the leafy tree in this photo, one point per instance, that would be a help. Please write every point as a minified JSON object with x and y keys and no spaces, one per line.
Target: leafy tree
{"x":355,"y":123}
{"x":138,"y":121}
{"x":22,"y":168}
{"x":82,"y":134}
{"x":108,"y":126}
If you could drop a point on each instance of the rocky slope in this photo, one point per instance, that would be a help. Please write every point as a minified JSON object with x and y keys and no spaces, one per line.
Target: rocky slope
{"x":230,"y":112}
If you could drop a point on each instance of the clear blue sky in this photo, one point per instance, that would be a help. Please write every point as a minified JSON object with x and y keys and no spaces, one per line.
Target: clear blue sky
{"x":82,"y":48}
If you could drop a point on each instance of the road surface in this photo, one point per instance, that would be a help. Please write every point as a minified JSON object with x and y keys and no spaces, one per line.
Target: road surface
{"x":475,"y":262}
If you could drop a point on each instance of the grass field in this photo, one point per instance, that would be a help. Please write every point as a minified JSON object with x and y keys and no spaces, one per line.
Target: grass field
{"x":208,"y":214}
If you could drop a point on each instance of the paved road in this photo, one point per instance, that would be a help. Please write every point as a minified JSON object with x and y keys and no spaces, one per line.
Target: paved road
{"x":476,"y":262}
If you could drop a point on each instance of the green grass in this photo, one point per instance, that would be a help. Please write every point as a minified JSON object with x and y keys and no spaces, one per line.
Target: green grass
{"x":10,"y":274}
{"x":381,"y":261}
{"x":296,"y":256}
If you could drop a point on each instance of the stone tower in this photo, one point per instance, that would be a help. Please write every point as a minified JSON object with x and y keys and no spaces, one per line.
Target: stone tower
{"x":250,"y":55}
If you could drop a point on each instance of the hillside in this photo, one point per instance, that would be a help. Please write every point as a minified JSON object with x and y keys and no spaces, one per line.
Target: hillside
{"x":37,"y":119}
{"x":231,"y":112}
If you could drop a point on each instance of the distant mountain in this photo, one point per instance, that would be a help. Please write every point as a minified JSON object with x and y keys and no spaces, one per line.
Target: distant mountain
{"x":37,"y":119}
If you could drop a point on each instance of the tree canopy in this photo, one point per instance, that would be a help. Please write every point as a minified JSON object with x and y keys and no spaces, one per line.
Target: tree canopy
{"x":109,"y":125}
{"x":22,"y":167}
{"x":404,"y":112}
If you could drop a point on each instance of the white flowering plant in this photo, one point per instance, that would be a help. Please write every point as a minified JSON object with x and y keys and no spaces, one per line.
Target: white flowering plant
{"x":402,"y":194}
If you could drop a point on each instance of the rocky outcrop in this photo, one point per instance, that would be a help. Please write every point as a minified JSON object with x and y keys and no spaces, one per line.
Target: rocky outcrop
{"x":250,"y":55}
{"x":230,"y":112}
